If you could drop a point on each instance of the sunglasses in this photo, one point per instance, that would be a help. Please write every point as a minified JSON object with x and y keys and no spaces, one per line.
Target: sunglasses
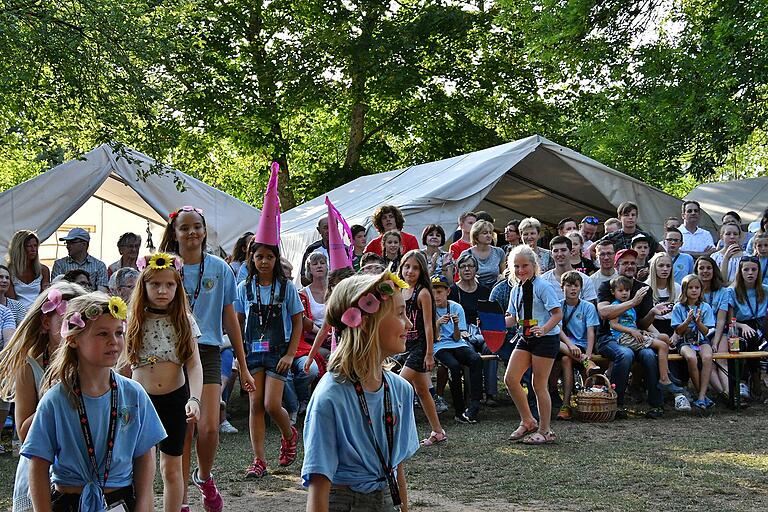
{"x":590,"y":220}
{"x":173,"y":215}
{"x":750,"y":259}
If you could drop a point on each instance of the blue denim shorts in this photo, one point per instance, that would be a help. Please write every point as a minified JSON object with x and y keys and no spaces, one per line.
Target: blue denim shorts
{"x":267,"y":362}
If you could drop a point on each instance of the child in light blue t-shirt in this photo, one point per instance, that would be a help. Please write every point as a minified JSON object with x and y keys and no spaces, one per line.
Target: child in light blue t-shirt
{"x":692,"y":319}
{"x":353,"y":404}
{"x":577,"y":336}
{"x":87,"y":397}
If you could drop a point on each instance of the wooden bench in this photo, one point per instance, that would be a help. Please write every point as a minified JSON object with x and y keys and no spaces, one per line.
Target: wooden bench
{"x":735,"y":362}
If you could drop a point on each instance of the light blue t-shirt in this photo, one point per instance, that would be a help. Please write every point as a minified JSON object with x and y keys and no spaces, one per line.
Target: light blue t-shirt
{"x":337,"y":442}
{"x":445,"y":340}
{"x":56,"y":436}
{"x":217,"y":289}
{"x":749,"y":309}
{"x":291,"y":305}
{"x":242,"y":273}
{"x":719,"y":300}
{"x":627,"y":319}
{"x":580,"y":318}
{"x":544,"y":300}
{"x":764,"y":269}
{"x":680,"y":313}
{"x":682,"y":265}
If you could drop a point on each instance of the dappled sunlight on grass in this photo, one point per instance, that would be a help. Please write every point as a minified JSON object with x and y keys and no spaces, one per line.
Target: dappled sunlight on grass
{"x":757,"y":461}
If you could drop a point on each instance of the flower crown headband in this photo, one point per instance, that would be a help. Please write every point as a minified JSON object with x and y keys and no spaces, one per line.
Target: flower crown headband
{"x":159,"y":261}
{"x":370,"y":302}
{"x":115,"y":307}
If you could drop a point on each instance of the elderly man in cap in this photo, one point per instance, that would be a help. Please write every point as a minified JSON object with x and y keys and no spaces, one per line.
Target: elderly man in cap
{"x":77,"y":241}
{"x":625,"y":262}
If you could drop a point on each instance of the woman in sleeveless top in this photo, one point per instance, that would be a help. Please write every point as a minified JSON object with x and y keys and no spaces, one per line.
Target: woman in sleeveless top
{"x":28,"y":276}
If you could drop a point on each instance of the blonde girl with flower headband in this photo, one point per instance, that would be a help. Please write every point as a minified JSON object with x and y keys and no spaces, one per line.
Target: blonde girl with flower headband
{"x":161,"y":341}
{"x":211,"y":291}
{"x":93,"y":434}
{"x":22,"y":363}
{"x":360,"y":428}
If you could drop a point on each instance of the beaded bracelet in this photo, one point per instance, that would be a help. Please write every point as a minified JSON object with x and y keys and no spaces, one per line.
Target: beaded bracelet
{"x":195,"y":399}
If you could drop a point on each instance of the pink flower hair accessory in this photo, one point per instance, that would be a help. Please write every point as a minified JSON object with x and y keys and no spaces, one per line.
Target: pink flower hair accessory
{"x":75,"y":320}
{"x":55,"y":302}
{"x":369,"y":303}
{"x":352,"y":317}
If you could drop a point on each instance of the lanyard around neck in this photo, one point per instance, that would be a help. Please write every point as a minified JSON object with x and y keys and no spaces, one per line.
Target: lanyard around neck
{"x":389,"y":427}
{"x":86,"y":428}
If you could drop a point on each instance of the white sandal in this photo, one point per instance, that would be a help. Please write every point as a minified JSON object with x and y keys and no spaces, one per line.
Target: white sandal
{"x":435,"y":438}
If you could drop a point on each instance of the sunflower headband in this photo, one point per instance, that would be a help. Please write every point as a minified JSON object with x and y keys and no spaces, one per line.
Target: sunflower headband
{"x":159,"y":261}
{"x":116,"y":307}
{"x":370,"y":303}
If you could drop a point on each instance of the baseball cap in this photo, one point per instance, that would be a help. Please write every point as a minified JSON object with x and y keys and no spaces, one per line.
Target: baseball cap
{"x":440,"y":280}
{"x":624,"y":252}
{"x":76,"y":234}
{"x":640,"y":238}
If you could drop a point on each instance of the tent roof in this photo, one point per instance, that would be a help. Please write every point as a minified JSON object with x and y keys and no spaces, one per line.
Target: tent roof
{"x":528,"y":177}
{"x":747,"y":197}
{"x":46,"y":201}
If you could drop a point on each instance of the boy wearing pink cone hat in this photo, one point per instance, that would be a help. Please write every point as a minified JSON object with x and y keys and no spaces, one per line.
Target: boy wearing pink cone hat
{"x":270,"y":314}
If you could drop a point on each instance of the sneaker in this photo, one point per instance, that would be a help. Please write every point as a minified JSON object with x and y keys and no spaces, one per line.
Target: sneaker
{"x":227,"y":428}
{"x":461,"y":419}
{"x":674,"y":379}
{"x":288,"y":448}
{"x":708,"y":403}
{"x":293,"y":417}
{"x":440,"y":404}
{"x":671,"y":387}
{"x":682,"y":404}
{"x":467,"y":418}
{"x":212,"y":500}
{"x":621,"y":413}
{"x":302,"y":407}
{"x":744,"y":390}
{"x":565,"y":413}
{"x":472,"y":412}
{"x":490,"y":401}
{"x":257,"y":469}
{"x":655,"y":413}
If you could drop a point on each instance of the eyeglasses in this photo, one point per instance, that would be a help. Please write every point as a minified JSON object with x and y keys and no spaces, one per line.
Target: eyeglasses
{"x":466,"y":266}
{"x":750,"y":259}
{"x":673,"y":240}
{"x":590,"y":220}
{"x":75,"y":241}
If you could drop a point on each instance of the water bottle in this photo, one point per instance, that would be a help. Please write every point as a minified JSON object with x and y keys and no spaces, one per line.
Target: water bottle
{"x":733,"y":337}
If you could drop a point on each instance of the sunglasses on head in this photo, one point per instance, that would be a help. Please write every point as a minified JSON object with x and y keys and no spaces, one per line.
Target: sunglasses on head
{"x":750,"y":259}
{"x":175,"y":214}
{"x":590,"y":220}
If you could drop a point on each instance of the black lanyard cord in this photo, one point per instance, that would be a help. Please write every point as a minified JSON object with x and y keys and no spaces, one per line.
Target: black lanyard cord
{"x":389,"y":427}
{"x":86,"y":428}
{"x":196,"y":294}
{"x":265,"y":320}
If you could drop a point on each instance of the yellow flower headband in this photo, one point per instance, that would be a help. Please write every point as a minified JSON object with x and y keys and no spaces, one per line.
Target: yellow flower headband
{"x":159,"y":261}
{"x":115,"y":307}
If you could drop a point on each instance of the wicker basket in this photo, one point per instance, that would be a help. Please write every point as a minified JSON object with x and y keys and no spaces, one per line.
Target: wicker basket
{"x":596,"y":406}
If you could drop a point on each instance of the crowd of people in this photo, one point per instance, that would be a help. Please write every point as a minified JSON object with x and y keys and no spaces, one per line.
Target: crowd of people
{"x":105,"y":363}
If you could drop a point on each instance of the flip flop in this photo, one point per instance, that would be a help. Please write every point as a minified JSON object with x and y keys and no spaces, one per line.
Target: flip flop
{"x":537,"y":438}
{"x":522,"y":431}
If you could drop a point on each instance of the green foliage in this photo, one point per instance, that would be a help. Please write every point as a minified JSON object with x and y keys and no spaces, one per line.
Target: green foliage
{"x":671,"y":93}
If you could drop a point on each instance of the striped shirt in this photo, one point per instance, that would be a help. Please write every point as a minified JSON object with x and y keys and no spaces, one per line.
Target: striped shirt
{"x":17,"y":308}
{"x":95,"y":268}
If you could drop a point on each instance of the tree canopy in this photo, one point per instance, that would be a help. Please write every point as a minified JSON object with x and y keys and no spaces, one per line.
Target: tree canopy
{"x":672,"y":92}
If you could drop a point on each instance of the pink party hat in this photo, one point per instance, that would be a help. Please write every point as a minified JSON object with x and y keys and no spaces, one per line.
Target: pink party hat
{"x":339,"y":253}
{"x":269,"y":224}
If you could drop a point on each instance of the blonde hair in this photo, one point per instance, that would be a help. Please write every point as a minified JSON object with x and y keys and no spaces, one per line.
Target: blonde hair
{"x":653,"y":280}
{"x":480,"y":226}
{"x":178,"y":316}
{"x":29,"y":339}
{"x":64,"y":363}
{"x":528,"y":223}
{"x":526,"y":251}
{"x":357,"y":354}
{"x":17,"y":254}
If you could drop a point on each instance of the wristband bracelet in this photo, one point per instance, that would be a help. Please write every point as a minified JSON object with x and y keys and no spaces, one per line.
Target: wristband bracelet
{"x":196,"y":400}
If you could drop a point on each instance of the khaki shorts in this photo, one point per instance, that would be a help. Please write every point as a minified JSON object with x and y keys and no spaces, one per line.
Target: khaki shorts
{"x":343,"y":499}
{"x":210,"y":360}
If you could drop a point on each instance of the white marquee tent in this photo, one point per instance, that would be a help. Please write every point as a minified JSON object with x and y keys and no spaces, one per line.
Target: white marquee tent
{"x":747,"y":197}
{"x":529,"y":177}
{"x":45,"y":202}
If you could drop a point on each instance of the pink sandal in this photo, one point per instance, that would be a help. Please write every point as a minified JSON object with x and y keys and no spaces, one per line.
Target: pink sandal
{"x":435,"y":438}
{"x":523,"y":431}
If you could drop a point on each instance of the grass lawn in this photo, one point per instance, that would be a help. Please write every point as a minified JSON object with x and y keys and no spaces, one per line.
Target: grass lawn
{"x":680,"y":462}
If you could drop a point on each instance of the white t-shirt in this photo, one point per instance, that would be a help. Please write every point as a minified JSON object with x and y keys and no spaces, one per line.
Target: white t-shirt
{"x":696,"y":241}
